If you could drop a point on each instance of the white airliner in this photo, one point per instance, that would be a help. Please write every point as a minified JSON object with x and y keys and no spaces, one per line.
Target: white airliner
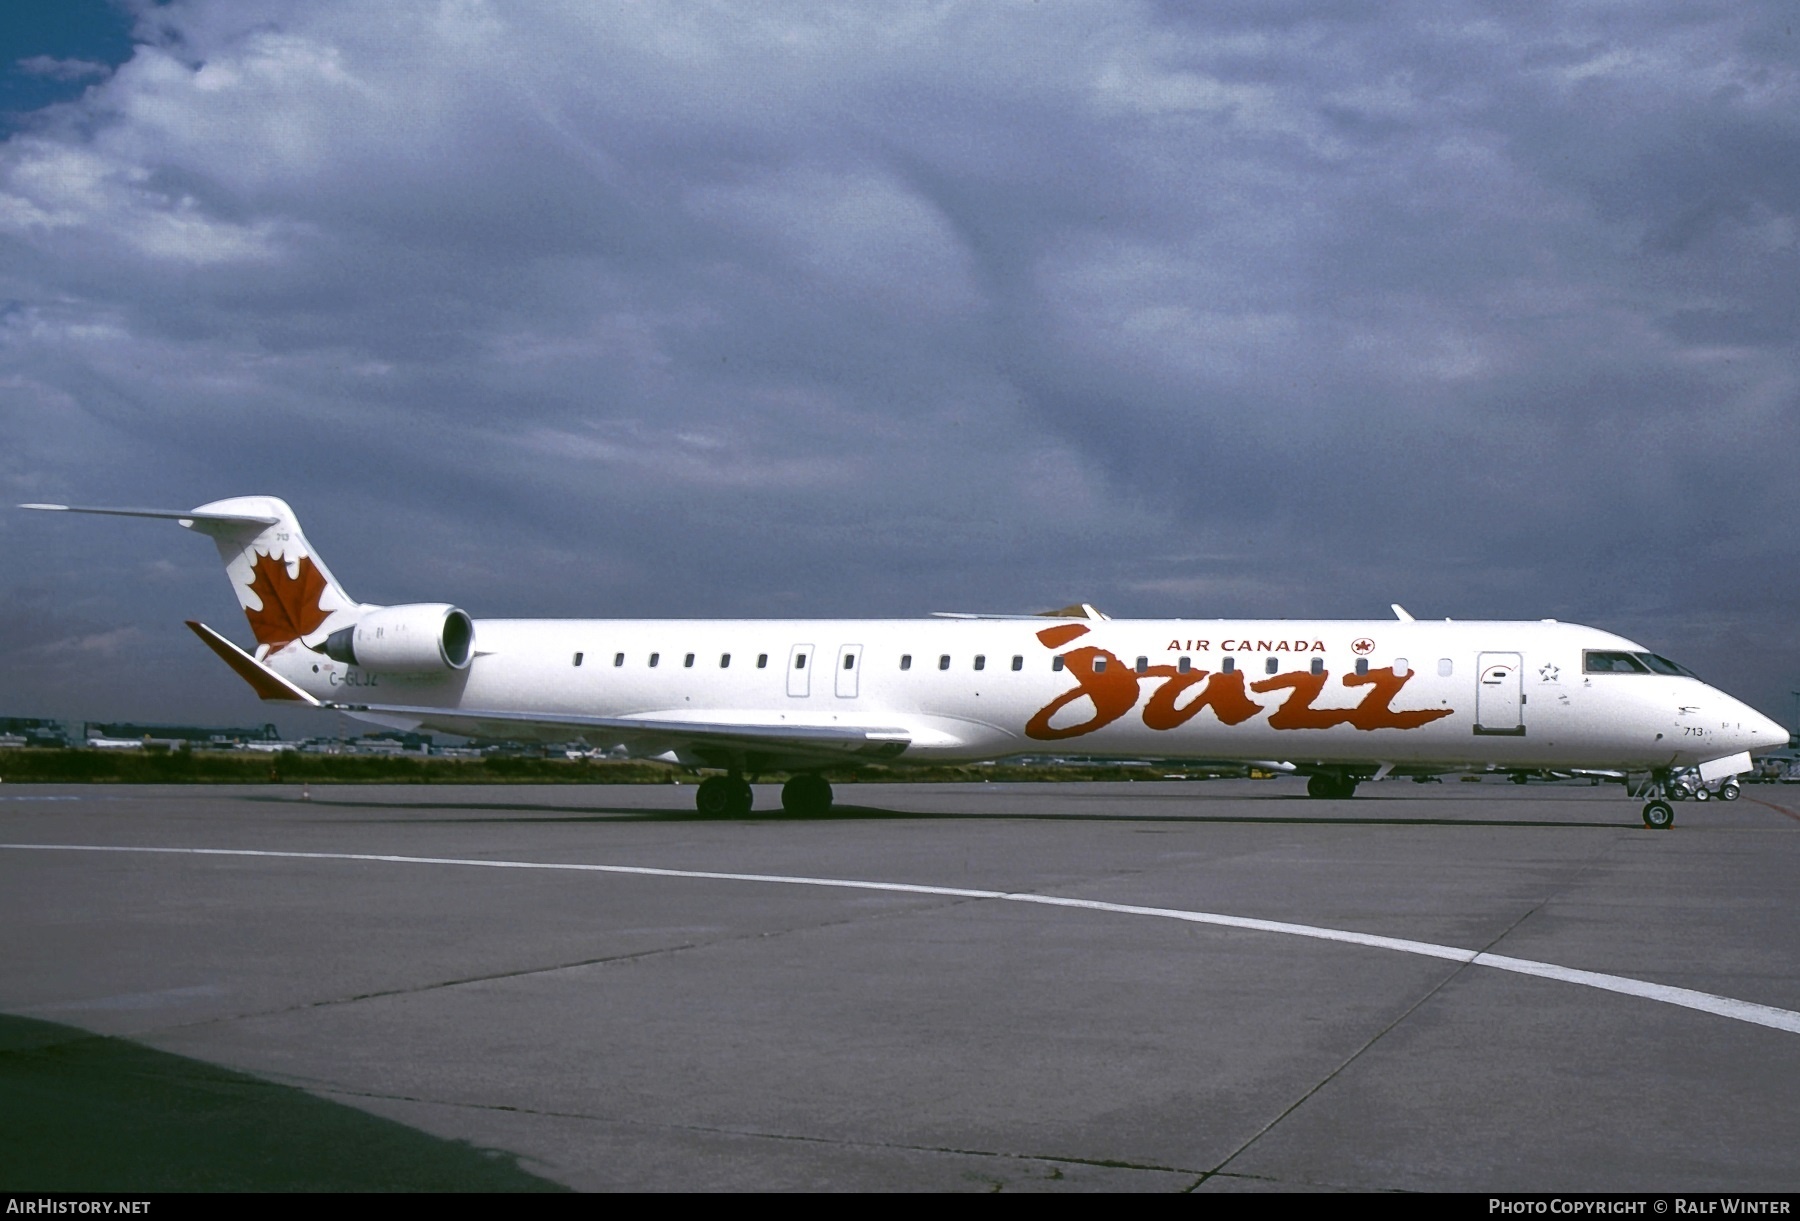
{"x":1340,"y":701}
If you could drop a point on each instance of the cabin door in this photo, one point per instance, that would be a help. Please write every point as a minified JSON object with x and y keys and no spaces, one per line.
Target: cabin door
{"x":849,"y":666}
{"x":800,"y":670}
{"x":1500,"y":694}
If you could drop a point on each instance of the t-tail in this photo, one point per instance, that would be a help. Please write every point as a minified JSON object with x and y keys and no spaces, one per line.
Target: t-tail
{"x":287,"y":593}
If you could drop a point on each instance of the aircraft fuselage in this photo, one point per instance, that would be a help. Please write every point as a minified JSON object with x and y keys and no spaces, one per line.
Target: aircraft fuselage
{"x":1513,"y":694}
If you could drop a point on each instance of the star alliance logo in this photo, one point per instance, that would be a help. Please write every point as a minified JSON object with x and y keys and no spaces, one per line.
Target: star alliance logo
{"x":1549,"y":673}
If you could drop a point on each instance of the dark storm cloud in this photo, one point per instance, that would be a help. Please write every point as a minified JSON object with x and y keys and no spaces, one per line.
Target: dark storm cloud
{"x":813,"y":310}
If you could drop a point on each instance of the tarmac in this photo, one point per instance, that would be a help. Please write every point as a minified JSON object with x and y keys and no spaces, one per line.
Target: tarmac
{"x":1156,"y":986}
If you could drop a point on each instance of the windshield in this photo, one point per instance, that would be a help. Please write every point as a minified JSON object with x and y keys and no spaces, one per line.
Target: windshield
{"x":1600,"y":661}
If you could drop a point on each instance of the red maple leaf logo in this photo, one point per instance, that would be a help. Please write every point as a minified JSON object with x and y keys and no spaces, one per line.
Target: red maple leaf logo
{"x":290,"y":605}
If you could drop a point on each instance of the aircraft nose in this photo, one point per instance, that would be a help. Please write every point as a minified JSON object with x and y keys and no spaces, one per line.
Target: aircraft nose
{"x":1764,"y":733}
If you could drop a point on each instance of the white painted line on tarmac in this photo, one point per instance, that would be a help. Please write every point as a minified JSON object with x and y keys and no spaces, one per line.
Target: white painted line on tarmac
{"x":1686,"y":998}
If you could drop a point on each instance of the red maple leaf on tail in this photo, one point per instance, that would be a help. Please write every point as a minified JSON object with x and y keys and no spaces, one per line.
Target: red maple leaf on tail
{"x":290,"y":605}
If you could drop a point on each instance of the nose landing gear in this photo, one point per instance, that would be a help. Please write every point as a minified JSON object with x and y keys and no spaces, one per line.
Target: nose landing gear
{"x":1668,"y":785}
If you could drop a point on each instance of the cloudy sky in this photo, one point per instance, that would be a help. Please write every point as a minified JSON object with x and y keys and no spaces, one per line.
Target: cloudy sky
{"x":645,"y":309}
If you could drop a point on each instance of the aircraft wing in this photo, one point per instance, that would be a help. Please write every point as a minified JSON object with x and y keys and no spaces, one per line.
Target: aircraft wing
{"x":767,"y":744}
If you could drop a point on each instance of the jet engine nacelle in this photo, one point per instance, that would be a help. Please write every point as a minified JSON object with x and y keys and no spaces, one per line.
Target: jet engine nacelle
{"x":423,"y":638}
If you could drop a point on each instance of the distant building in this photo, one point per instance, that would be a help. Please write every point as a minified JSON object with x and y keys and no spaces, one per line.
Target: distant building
{"x":32,"y":731}
{"x":213,"y":736}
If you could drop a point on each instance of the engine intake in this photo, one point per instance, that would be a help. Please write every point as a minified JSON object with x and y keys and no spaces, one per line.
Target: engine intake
{"x":423,"y":638}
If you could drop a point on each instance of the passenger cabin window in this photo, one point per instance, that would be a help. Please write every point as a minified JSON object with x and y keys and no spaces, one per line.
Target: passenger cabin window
{"x":578,"y":659}
{"x":654,"y":658}
{"x":724,"y":661}
{"x":688,"y":661}
{"x":1018,"y":661}
{"x":1318,"y":665}
{"x":1228,"y":666}
{"x":1595,"y":661}
{"x":1099,"y":665}
{"x":906,"y":661}
{"x":944,"y":662}
{"x":799,"y":661}
{"x":1272,"y":666}
{"x":1401,"y":668}
{"x":849,"y":661}
{"x":618,"y":659}
{"x":1143,"y":665}
{"x":981,"y":661}
{"x":1446,"y":667}
{"x":1184,"y":664}
{"x":1056,"y":663}
{"x":762,"y":661}
{"x":1362,"y":665}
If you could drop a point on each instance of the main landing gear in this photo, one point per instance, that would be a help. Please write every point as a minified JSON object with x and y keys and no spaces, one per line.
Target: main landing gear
{"x":1327,"y":784}
{"x":724,"y":796}
{"x":806,"y":795}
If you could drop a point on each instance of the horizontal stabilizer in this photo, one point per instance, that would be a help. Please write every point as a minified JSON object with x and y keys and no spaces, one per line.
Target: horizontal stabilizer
{"x":206,"y":523}
{"x":265,"y":682}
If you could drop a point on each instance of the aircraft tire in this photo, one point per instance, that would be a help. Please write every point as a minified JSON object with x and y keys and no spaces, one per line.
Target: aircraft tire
{"x":713,"y":797}
{"x":1659,"y":815}
{"x":1326,"y":785}
{"x":806,"y":796}
{"x":743,"y":799}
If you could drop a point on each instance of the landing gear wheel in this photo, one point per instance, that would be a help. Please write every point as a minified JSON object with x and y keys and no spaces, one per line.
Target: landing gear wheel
{"x":1729,"y":791}
{"x":713,"y":798}
{"x":1326,"y":785}
{"x":1659,"y":815}
{"x":720,"y":796}
{"x":806,"y":796}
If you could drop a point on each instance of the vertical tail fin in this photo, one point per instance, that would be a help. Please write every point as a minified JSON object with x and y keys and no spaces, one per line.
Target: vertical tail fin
{"x":285,"y":589}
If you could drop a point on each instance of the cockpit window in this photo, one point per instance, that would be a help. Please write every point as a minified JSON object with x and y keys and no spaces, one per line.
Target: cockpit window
{"x":1597,"y":662}
{"x":1662,"y":665}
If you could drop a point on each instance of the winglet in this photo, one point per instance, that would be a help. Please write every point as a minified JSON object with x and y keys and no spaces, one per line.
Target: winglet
{"x":265,"y":682}
{"x":1400,"y":613}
